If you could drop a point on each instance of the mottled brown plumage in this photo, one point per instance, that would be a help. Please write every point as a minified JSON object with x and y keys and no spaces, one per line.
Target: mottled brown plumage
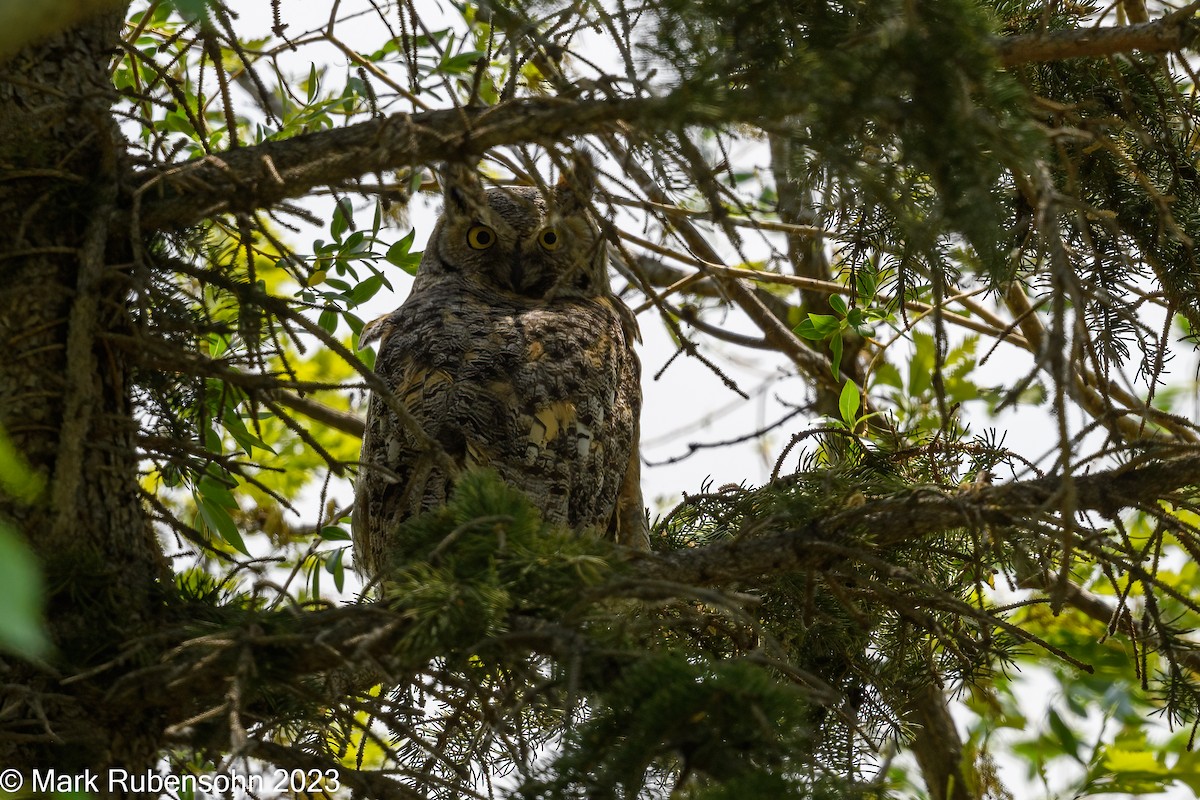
{"x":512,"y":353}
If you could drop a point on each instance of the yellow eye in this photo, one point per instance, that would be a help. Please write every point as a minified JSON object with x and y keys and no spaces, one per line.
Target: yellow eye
{"x":549,"y":239}
{"x":481,"y":237}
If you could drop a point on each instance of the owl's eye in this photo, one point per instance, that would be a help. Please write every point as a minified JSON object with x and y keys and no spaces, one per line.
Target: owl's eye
{"x":549,"y":239}
{"x":481,"y":237}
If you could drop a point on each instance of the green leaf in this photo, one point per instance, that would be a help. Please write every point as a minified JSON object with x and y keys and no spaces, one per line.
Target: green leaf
{"x":216,"y":491}
{"x":1063,"y":733}
{"x":217,"y":520}
{"x":190,"y":10}
{"x":865,"y":282}
{"x":865,"y":331}
{"x":366,"y":289}
{"x":461,"y":62}
{"x":218,"y":345}
{"x":808,"y":330}
{"x":399,"y":254}
{"x":178,"y":122}
{"x":837,"y":304}
{"x":241,"y":434}
{"x":825,"y":324}
{"x":1141,"y":762}
{"x":21,"y":598}
{"x":332,"y":533}
{"x":333,"y":565}
{"x":849,"y":402}
{"x":328,"y":320}
{"x":343,"y":216}
{"x":16,"y":478}
{"x":402,"y":247}
{"x":314,"y":83}
{"x":389,"y":47}
{"x":920,"y":368}
{"x":1136,"y":772}
{"x":212,"y":439}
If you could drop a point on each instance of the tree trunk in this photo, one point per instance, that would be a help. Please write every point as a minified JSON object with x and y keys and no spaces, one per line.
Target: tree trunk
{"x":938,"y":748}
{"x":65,"y":402}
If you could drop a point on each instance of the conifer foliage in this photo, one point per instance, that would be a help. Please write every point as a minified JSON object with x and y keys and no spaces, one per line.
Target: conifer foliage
{"x":877,"y":202}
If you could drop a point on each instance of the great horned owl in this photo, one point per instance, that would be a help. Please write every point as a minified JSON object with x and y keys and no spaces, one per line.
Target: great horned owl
{"x":511,"y":352}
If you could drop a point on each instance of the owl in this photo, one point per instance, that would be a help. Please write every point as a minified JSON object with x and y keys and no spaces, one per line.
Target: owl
{"x":511,"y":353}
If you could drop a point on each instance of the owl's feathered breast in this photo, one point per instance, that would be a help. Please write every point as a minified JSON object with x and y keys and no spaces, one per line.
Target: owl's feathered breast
{"x":545,"y":392}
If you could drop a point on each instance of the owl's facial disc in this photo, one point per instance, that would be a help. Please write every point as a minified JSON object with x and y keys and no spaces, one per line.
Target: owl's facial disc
{"x":539,"y":245}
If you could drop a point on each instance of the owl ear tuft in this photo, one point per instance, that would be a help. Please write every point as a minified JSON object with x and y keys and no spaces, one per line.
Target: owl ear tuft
{"x":577,"y":184}
{"x":463,"y":190}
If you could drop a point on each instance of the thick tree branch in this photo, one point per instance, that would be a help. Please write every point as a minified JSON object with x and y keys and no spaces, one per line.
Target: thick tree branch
{"x":1169,"y":34}
{"x":263,"y":175}
{"x":937,"y":746}
{"x":352,"y":633}
{"x":895,"y":519}
{"x":374,"y":639}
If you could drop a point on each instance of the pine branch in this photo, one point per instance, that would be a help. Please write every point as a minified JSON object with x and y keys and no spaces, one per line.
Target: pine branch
{"x":937,"y":746}
{"x":261,"y":176}
{"x":365,"y":783}
{"x":354,"y":645}
{"x":1170,"y":34}
{"x":357,"y":632}
{"x":266,"y":174}
{"x":327,"y":415}
{"x":913,"y":515}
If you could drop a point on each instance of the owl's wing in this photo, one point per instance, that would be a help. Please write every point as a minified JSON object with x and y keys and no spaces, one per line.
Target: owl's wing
{"x":629,"y":517}
{"x":398,"y":475}
{"x":628,"y":525}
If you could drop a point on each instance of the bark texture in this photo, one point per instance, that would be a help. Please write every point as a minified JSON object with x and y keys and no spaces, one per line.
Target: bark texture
{"x":64,"y":400}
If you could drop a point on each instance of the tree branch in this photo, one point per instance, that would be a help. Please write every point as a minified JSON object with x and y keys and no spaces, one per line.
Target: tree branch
{"x":1171,"y":33}
{"x":262,"y":175}
{"x":937,"y":745}
{"x":373,"y":639}
{"x":895,"y":519}
{"x":329,"y":416}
